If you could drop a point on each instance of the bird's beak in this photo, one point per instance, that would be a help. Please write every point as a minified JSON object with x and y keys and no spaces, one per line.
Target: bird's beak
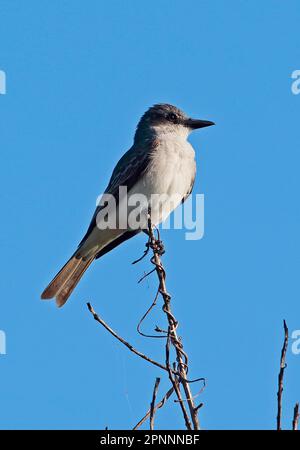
{"x":196,"y":123}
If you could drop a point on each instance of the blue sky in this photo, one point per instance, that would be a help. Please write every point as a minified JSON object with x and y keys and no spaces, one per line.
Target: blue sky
{"x":79,"y":75}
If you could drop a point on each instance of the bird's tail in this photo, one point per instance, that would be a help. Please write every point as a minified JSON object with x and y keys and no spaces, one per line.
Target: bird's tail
{"x":66,"y":280}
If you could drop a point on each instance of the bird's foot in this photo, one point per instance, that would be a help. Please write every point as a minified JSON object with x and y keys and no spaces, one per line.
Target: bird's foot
{"x":159,"y":247}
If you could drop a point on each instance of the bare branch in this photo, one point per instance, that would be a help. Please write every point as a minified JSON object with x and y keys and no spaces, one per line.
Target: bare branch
{"x":176,"y":385}
{"x":296,"y":417}
{"x":152,"y":407}
{"x":177,"y":371}
{"x":181,"y":356}
{"x":129,"y":346}
{"x":281,"y":374}
{"x":159,"y":405}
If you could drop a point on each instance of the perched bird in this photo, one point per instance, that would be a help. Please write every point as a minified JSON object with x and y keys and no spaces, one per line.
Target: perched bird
{"x":161,"y":162}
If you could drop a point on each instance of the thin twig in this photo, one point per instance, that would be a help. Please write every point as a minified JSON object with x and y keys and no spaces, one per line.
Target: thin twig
{"x":144,"y":317}
{"x":144,"y":254}
{"x":200,"y":390}
{"x":296,"y":417}
{"x":159,"y":405}
{"x":152,"y":406}
{"x":281,"y":374}
{"x":127,"y":344}
{"x":146,"y":275}
{"x":176,"y":385}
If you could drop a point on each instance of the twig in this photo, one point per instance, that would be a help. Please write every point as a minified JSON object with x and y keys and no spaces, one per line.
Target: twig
{"x":176,"y":385}
{"x":127,"y":344}
{"x":152,"y":406}
{"x":146,"y":275}
{"x":144,"y":254}
{"x":145,"y":315}
{"x":159,"y":405}
{"x":200,"y":390}
{"x":281,"y":374}
{"x":182,"y":359}
{"x":296,"y":417}
{"x":170,"y":371}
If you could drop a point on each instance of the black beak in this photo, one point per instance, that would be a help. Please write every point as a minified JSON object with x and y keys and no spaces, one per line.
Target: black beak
{"x":195,"y":123}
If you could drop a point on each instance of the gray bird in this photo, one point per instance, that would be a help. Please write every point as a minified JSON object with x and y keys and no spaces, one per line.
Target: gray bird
{"x":161,"y":162}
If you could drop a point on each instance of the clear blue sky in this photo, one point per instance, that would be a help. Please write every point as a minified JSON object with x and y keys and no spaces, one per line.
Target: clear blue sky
{"x":79,"y":75}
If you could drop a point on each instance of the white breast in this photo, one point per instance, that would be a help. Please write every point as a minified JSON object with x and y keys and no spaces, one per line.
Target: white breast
{"x":170,"y":175}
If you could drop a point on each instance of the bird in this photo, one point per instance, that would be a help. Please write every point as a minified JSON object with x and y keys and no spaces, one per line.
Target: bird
{"x":161,"y":162}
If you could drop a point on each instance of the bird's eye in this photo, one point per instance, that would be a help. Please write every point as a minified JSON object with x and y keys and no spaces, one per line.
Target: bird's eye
{"x":172,"y":117}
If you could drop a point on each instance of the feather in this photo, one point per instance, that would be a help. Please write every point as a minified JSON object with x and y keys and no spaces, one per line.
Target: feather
{"x":59,"y":280}
{"x":68,"y":287}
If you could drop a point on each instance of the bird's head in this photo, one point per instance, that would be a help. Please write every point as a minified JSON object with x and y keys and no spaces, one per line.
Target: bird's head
{"x":167,"y":119}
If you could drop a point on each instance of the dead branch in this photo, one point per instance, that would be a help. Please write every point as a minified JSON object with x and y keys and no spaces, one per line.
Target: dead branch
{"x":159,"y":405}
{"x":181,"y":356}
{"x":177,"y":371}
{"x":176,"y":386}
{"x":130,"y":346}
{"x":296,"y":417}
{"x":281,"y":374}
{"x":152,"y":406}
{"x":127,"y":344}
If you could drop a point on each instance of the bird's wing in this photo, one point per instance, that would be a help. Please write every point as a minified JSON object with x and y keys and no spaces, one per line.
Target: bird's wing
{"x":190,"y":189}
{"x":126,"y":173}
{"x":130,"y":168}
